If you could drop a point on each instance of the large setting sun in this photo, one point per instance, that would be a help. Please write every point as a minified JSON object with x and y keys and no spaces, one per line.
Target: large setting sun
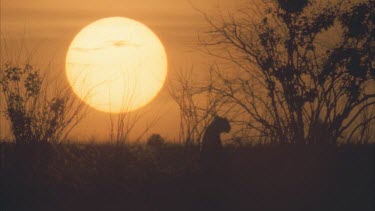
{"x":116,"y":64}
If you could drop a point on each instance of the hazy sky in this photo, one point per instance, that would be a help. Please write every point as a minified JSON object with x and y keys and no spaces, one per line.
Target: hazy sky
{"x":47,"y":27}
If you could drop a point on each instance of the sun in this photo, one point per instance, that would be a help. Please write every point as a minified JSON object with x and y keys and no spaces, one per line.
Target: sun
{"x":116,"y":65}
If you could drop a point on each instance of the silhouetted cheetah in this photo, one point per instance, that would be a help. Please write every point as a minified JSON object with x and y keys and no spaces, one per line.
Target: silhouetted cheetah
{"x":212,"y":148}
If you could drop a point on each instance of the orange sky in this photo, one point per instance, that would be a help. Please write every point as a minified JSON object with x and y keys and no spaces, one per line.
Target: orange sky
{"x":48,"y":26}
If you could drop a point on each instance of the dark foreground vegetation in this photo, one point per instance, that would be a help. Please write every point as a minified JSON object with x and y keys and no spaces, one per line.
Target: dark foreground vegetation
{"x":169,"y":177}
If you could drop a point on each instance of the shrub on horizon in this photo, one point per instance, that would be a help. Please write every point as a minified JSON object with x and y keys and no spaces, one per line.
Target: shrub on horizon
{"x":155,"y":140}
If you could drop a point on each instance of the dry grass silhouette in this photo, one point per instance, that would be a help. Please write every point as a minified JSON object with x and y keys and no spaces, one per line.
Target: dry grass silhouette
{"x":82,"y":176}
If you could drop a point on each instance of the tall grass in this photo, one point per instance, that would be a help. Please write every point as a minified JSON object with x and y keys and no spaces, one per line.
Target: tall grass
{"x":93,"y":176}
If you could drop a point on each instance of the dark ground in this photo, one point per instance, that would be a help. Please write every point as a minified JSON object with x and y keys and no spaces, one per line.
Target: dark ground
{"x":136,"y":177}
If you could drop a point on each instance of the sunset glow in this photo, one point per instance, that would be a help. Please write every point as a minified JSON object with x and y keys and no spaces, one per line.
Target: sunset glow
{"x":187,"y":105}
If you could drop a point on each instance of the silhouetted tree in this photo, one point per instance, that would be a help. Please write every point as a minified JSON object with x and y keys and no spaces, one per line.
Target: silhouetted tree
{"x":37,"y":110}
{"x":298,"y":65}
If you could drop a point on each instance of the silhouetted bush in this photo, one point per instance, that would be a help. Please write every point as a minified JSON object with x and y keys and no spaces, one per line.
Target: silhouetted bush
{"x":155,"y":140}
{"x":36,"y":110}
